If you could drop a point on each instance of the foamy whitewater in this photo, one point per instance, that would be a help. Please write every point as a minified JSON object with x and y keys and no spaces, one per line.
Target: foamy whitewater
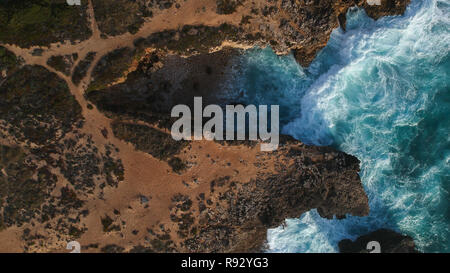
{"x":381,"y":92}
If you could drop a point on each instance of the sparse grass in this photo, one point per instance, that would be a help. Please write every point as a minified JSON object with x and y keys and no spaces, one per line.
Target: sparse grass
{"x":81,"y":69}
{"x":206,"y":38}
{"x":61,"y":63}
{"x":21,"y":195}
{"x":119,"y":16}
{"x":177,"y":164}
{"x":112,"y":249}
{"x":158,"y":144}
{"x":37,"y":103}
{"x":111,"y":67}
{"x":227,"y":6}
{"x":75,"y":232}
{"x":8,"y":61}
{"x":41,"y":22}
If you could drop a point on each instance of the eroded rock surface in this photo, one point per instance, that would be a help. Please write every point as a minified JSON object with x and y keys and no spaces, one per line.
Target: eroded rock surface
{"x":233,"y":214}
{"x":285,"y":25}
{"x":389,"y":240}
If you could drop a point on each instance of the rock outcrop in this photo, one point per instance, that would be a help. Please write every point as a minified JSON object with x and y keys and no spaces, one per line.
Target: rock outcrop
{"x":234,"y":214}
{"x":389,"y":240}
{"x":286,"y":25}
{"x":304,"y":178}
{"x":386,"y":8}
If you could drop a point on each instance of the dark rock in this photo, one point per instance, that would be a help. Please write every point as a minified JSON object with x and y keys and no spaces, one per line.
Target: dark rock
{"x":387,"y":7}
{"x":389,"y":240}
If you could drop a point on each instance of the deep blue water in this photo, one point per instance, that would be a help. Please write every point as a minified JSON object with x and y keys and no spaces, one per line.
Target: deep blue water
{"x":380,"y":91}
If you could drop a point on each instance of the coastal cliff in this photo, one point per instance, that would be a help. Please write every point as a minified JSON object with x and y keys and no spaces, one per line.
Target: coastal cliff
{"x":86,"y":151}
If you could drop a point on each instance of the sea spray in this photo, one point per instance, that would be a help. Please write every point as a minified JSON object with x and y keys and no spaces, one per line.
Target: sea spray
{"x":379,"y":91}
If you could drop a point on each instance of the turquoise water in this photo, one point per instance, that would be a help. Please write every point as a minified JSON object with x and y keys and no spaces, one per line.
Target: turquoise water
{"x":380,"y":91}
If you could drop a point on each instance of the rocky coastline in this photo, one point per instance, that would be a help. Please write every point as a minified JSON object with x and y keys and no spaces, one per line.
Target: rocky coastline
{"x":94,"y":160}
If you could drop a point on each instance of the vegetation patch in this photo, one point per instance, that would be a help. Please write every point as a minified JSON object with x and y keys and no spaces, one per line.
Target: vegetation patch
{"x":23,"y":186}
{"x":119,"y":16}
{"x":62,"y":64}
{"x":227,"y":6}
{"x":38,"y":105}
{"x":69,"y":199}
{"x":177,"y":164}
{"x":9,"y":63}
{"x":111,"y":67}
{"x":81,"y":69}
{"x":150,"y":140}
{"x":112,"y":249}
{"x":136,"y":98}
{"x":195,"y":38}
{"x":42,"y":22}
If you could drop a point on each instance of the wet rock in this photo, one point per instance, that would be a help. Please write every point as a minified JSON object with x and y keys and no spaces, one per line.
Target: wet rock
{"x":387,"y":7}
{"x":389,"y":240}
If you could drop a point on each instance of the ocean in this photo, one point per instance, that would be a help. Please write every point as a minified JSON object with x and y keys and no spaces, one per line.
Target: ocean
{"x":381,"y":92}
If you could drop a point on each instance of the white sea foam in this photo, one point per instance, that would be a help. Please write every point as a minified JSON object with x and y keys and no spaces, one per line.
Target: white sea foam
{"x":380,"y":92}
